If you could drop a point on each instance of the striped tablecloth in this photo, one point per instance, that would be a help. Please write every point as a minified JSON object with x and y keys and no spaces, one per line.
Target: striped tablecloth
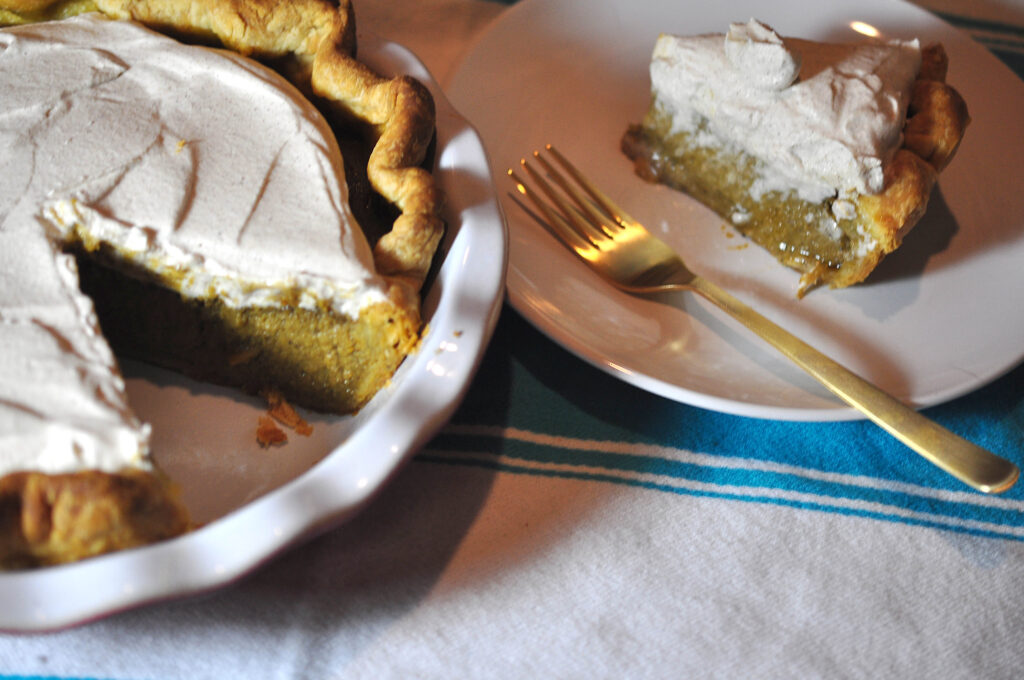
{"x":566,"y":525}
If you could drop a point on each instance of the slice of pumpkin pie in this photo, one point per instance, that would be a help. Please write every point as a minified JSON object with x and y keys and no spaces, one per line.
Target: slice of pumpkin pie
{"x":823,"y":154}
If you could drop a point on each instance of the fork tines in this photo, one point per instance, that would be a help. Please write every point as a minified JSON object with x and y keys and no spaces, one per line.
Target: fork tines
{"x":588,"y":214}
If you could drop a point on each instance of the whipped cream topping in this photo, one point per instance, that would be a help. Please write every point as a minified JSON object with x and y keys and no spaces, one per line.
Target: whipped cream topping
{"x":196,"y":163}
{"x":62,"y":399}
{"x":822,"y":118}
{"x":757,"y":51}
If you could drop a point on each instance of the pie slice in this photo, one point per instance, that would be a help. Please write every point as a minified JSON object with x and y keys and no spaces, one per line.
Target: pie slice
{"x":823,"y":154}
{"x":190,"y":207}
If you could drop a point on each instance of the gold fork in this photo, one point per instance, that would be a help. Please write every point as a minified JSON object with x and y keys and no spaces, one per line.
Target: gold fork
{"x":628,"y":256}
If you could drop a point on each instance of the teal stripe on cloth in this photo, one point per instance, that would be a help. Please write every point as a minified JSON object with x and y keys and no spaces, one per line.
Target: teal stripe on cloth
{"x":535,"y":409}
{"x":795,"y":503}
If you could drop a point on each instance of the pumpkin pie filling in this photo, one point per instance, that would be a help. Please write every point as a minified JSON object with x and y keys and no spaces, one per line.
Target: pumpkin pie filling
{"x":802,"y":235}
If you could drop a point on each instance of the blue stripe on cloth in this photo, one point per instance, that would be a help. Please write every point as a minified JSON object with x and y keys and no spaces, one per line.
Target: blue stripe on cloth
{"x":535,"y":409}
{"x":673,"y":468}
{"x":708,"y":470}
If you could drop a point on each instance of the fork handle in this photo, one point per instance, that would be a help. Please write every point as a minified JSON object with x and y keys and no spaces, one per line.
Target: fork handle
{"x":969,"y":463}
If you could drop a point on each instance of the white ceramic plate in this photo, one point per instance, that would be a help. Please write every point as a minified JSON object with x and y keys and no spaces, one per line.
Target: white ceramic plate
{"x":939,"y":318}
{"x":257,"y":502}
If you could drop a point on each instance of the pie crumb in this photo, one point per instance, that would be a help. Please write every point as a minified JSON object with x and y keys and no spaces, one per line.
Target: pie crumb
{"x":269,"y":434}
{"x":282,"y":412}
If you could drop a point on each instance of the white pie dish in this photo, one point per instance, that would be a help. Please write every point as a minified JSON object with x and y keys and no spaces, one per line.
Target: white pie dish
{"x":253,"y":503}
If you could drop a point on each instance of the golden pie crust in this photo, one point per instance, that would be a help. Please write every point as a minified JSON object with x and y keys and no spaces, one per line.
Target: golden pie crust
{"x":936,"y":120}
{"x":49,"y":519}
{"x":52,"y":519}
